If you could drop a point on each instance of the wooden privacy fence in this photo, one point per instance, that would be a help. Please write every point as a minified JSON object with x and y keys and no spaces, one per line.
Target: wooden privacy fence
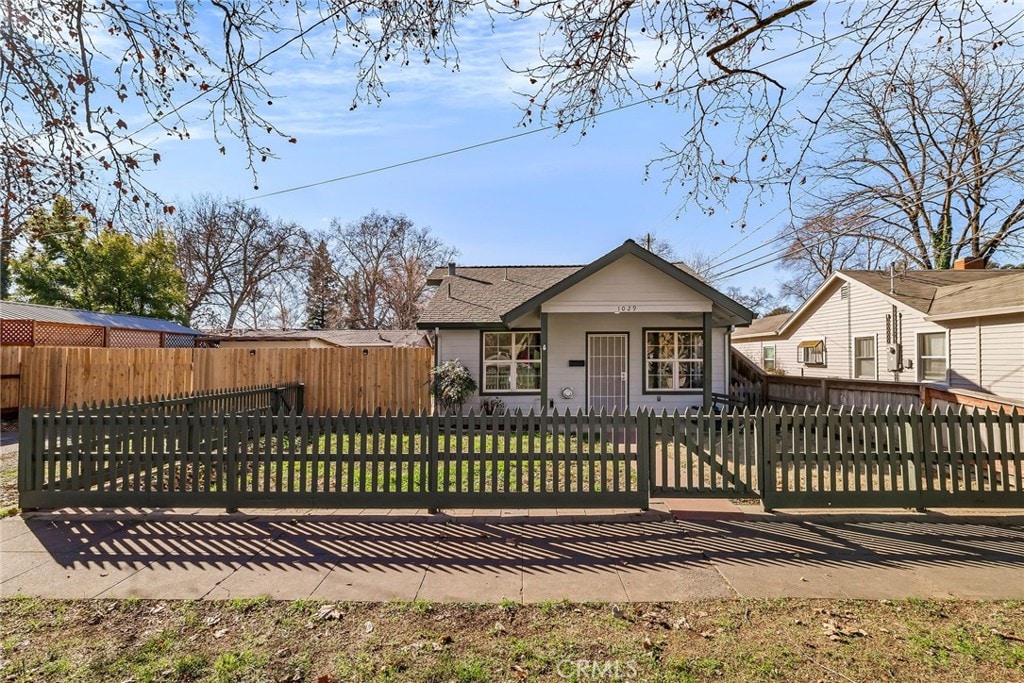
{"x":753,"y":387}
{"x":336,"y":379}
{"x":257,"y":455}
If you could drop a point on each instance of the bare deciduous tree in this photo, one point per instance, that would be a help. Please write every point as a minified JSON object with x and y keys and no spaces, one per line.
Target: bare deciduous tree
{"x":384,"y":260}
{"x":929,"y":167}
{"x":234,"y":257}
{"x":823,"y":244}
{"x":703,"y":265}
{"x":70,"y":73}
{"x":656,"y":244}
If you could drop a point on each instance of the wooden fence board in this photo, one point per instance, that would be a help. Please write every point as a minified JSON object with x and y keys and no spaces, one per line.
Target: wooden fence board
{"x":337,"y":379}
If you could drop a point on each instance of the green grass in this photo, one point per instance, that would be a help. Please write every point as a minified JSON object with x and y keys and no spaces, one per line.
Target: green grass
{"x":236,"y":666}
{"x":250,"y":640}
{"x":248,"y":604}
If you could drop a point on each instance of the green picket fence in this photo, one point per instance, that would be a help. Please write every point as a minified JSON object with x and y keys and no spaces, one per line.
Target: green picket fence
{"x":896,"y":458}
{"x":263,"y":459}
{"x":257,"y":454}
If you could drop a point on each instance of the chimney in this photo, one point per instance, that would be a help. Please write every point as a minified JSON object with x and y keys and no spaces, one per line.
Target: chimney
{"x":451,"y":268}
{"x":969,"y":264}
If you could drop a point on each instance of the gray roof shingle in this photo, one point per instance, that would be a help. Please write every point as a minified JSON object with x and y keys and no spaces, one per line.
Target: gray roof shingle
{"x":481,"y":294}
{"x":921,"y":289}
{"x":980,"y":295}
{"x":769,"y":324}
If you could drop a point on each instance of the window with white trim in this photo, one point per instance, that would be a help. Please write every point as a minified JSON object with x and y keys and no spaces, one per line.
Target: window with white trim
{"x":511,"y":362}
{"x":768,"y":358}
{"x":864,"y":357}
{"x":931,"y":356}
{"x":674,"y":360}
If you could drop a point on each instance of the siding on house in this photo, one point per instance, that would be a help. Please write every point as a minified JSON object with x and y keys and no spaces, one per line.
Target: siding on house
{"x":965,"y":355}
{"x":987,"y":354}
{"x":567,"y":340}
{"x":984,"y":347}
{"x":464,"y":345}
{"x":1002,"y":346}
{"x":838,"y":321}
{"x":628,"y":281}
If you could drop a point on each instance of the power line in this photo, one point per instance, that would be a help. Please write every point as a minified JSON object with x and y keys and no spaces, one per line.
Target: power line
{"x":805,"y":191}
{"x":764,"y":260}
{"x":515,"y":136}
{"x":458,"y":150}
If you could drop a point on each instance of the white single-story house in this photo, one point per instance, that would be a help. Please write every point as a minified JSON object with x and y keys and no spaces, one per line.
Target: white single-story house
{"x":629,"y":330}
{"x":962,"y":328}
{"x":315,"y":339}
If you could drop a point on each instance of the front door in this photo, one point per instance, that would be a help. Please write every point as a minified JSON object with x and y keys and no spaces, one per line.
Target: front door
{"x":607,"y":371}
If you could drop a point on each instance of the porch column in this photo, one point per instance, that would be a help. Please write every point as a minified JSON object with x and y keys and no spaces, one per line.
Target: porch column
{"x":709,"y":368}
{"x":543,"y":361}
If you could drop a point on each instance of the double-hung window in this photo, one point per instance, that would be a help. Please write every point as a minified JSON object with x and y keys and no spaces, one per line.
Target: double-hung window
{"x":864,"y":357}
{"x":931,"y":356}
{"x":674,"y":360}
{"x":511,"y":362}
{"x":768,"y":358}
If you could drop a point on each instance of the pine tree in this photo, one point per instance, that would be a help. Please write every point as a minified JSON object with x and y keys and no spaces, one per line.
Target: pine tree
{"x":323,"y":292}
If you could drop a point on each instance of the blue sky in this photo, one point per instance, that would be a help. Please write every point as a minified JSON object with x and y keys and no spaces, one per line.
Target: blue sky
{"x":536,"y":199}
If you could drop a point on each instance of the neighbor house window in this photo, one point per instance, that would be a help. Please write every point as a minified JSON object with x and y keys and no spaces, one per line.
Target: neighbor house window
{"x":511,"y":361}
{"x":812,"y":352}
{"x":931,"y":356}
{"x":768,"y":358}
{"x":864,"y":357}
{"x":675,"y":360}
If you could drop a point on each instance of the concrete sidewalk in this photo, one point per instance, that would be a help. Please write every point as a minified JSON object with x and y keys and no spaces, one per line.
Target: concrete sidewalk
{"x":708,"y":551}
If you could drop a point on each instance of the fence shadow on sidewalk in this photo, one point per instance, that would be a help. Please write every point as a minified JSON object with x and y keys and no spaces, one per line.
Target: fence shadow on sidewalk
{"x":530,"y":544}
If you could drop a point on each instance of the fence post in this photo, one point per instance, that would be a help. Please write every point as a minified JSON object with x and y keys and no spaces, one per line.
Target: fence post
{"x":433,"y":420}
{"x":644,"y":454}
{"x":26,"y":461}
{"x":765,"y":464}
{"x":300,"y":398}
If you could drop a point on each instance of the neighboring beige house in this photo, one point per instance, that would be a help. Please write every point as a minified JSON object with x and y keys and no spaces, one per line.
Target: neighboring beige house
{"x":962,"y":328}
{"x":314,"y":339}
{"x":627,"y":331}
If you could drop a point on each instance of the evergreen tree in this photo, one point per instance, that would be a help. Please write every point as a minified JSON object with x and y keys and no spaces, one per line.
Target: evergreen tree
{"x":322,"y":290}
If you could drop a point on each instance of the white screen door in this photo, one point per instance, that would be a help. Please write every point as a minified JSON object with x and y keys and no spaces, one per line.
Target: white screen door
{"x":607,"y":371}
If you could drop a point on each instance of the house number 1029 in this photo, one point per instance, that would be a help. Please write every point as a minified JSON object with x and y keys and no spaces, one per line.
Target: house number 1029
{"x":625,"y":308}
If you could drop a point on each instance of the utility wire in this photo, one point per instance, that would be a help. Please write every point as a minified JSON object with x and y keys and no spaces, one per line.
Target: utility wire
{"x":522,"y":134}
{"x":764,"y":260}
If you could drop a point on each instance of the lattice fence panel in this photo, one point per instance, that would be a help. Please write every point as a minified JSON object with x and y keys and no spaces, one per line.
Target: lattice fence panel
{"x":50,"y":334}
{"x":16,"y":332}
{"x":122,"y":338}
{"x":179,"y":341}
